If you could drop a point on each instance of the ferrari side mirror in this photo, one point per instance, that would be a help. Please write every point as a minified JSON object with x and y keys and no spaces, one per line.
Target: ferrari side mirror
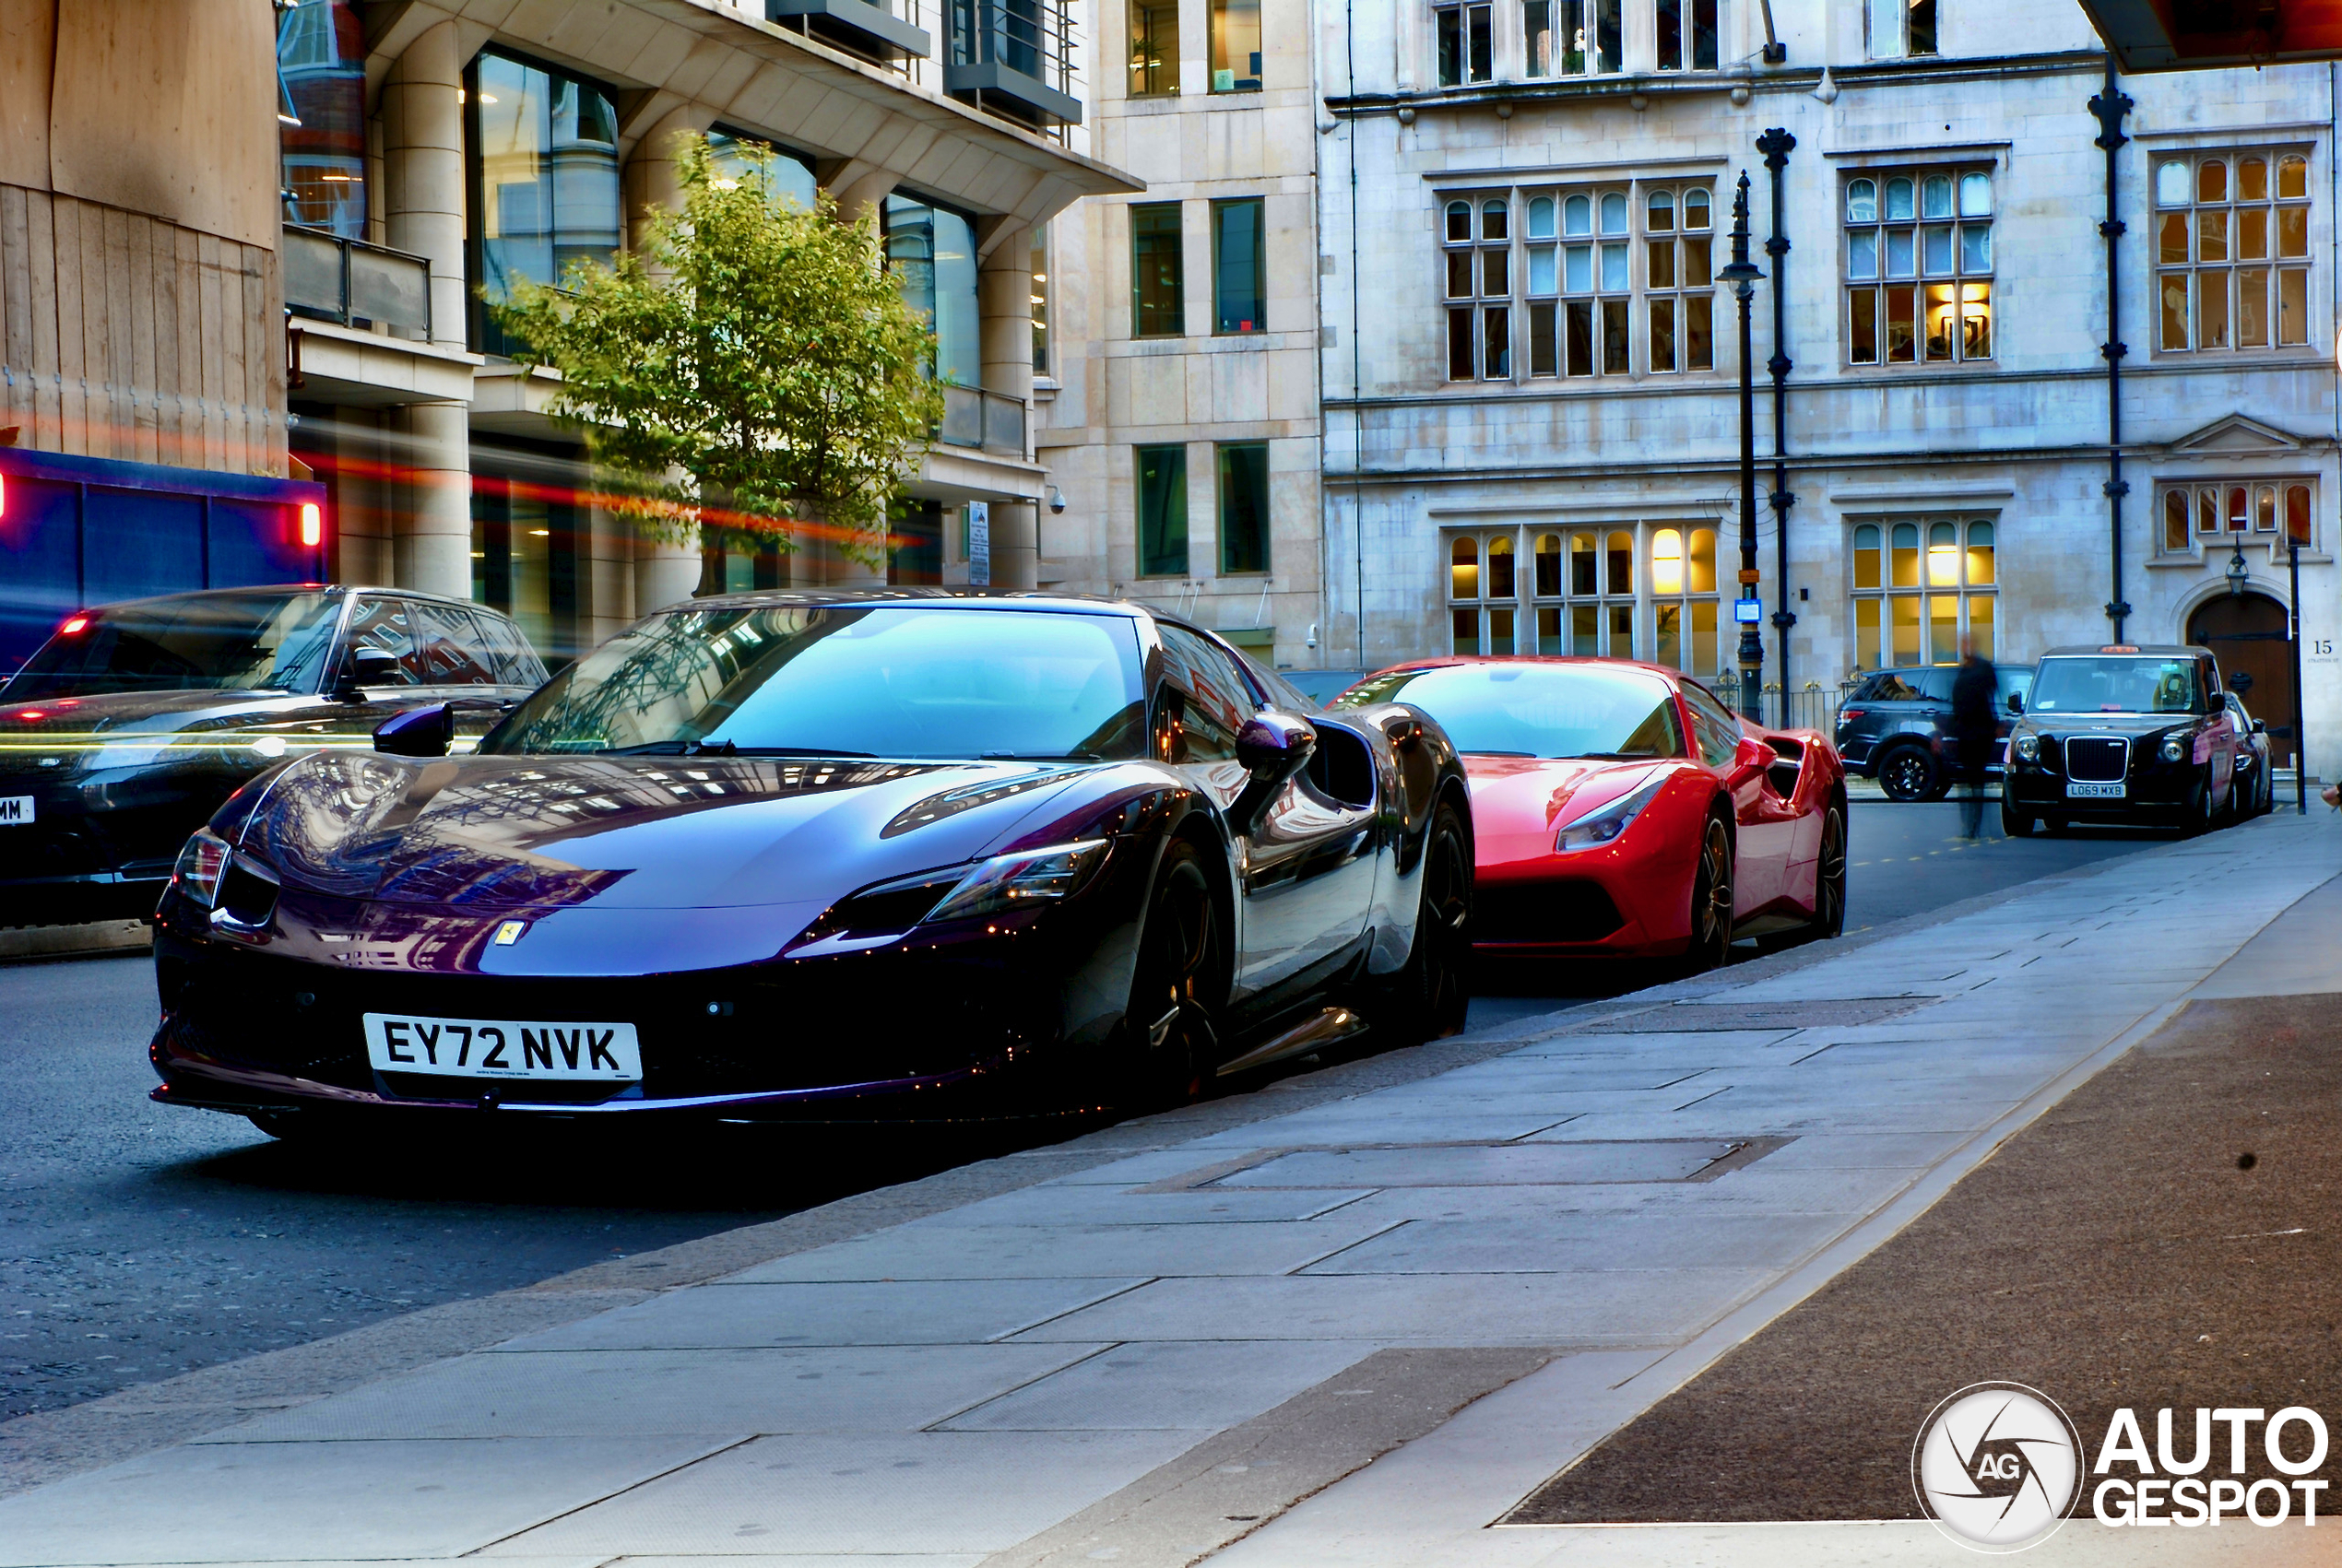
{"x":1750,"y":757}
{"x":418,"y":732}
{"x":1273,"y":746}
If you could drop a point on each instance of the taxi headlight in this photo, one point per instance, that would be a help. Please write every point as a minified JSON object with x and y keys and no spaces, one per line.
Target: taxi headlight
{"x":200,"y":867}
{"x":2029,"y":748}
{"x":1017,"y":881}
{"x":2174,"y":749}
{"x":1606,"y":822}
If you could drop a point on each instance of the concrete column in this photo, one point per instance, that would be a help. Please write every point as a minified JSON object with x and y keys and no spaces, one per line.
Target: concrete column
{"x":666,"y":571}
{"x":1004,"y":308}
{"x":431,"y":545}
{"x":423,"y":114}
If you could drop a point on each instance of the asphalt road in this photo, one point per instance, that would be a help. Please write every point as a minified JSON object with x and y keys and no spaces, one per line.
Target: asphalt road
{"x":137,"y":1243}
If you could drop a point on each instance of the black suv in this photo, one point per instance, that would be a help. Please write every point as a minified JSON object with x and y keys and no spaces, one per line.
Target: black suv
{"x":1896,"y":726}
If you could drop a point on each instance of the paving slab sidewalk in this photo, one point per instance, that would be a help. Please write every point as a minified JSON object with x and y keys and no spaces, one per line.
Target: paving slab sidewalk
{"x":1358,"y":1333}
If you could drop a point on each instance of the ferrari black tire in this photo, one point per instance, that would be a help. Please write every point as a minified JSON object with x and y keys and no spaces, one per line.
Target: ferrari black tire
{"x":1176,"y":992}
{"x":1910,"y":773}
{"x":1711,"y":901}
{"x":1428,"y":997}
{"x":2015,"y":824}
{"x":1829,"y":877}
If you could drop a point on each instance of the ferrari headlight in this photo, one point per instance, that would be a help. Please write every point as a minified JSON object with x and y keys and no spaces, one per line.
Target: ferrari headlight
{"x":1015,"y":881}
{"x":2029,"y":748}
{"x":200,"y":867}
{"x":2174,"y":749}
{"x":1606,"y":822}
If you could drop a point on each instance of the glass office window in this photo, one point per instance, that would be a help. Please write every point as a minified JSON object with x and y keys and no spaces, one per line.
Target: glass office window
{"x":789,"y":178}
{"x":544,"y":151}
{"x":1158,"y":271}
{"x":1162,"y":475}
{"x":1235,"y":45}
{"x":1154,"y":48}
{"x":932,"y":253}
{"x":1239,"y":271}
{"x":320,"y":114}
{"x":1244,"y":506}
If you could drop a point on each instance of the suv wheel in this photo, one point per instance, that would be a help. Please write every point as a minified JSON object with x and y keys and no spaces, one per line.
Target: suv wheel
{"x":1907,"y":774}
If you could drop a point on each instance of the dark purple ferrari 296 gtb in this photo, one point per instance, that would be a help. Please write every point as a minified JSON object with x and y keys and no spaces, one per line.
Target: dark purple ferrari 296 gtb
{"x":844,"y":857}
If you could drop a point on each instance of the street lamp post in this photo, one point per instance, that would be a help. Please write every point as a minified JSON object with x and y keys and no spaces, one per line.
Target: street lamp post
{"x":1743,"y":275}
{"x":2301,"y":750}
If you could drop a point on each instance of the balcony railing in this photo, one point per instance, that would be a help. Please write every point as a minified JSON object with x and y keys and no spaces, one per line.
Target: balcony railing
{"x":989,"y":421}
{"x":1015,"y":59}
{"x":330,"y":278}
{"x":880,"y":31}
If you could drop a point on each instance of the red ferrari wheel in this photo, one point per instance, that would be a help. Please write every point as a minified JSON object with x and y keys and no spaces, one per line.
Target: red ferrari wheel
{"x":1711,"y":900}
{"x":1829,"y":877}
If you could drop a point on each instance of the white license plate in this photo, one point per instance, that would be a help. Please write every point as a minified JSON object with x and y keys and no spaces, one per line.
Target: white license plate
{"x":2093,"y":791}
{"x":15,"y":810}
{"x":473,"y":1047}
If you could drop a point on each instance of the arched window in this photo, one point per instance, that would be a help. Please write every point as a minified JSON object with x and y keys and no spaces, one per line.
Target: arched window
{"x":1481,"y":593}
{"x":1935,"y":196}
{"x":1459,"y":221}
{"x":1899,"y":201}
{"x":1614,"y":212}
{"x":1867,"y":574}
{"x":1905,"y":557}
{"x":1577,"y":215}
{"x":1492,"y":219}
{"x":2297,"y":513}
{"x":1500,"y":584}
{"x":1548,"y":581}
{"x":1659,"y":216}
{"x":2264,"y":509}
{"x":1541,"y":218}
{"x":1943,"y":555}
{"x":1861,"y":201}
{"x":1667,"y":561}
{"x":2175,"y":522}
{"x":2236,"y":507}
{"x":1936,"y":226}
{"x":1979,"y":555}
{"x":1463,"y":570}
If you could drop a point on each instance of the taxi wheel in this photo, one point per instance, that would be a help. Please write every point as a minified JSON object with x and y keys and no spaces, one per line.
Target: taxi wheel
{"x":2015,"y":824}
{"x":2202,"y":817}
{"x":2053,"y":826}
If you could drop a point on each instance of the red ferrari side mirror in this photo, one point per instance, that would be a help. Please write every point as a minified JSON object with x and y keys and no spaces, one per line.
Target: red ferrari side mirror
{"x":1750,"y":757}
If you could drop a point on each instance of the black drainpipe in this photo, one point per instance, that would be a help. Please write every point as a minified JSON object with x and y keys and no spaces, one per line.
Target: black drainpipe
{"x":2110,"y":106}
{"x":1775,"y":144}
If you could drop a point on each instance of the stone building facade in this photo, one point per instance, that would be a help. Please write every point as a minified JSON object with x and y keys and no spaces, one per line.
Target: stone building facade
{"x":434,"y":148}
{"x":1533,"y":444}
{"x":1178,"y":416}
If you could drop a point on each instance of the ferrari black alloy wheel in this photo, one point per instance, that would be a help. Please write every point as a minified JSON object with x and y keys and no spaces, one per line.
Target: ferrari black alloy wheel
{"x":1169,"y":1023}
{"x":1427,"y":998}
{"x":1711,"y":901}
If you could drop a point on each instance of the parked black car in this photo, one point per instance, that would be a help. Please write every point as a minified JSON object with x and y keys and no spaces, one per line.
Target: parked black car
{"x":1896,"y":726}
{"x":2254,"y":791}
{"x":2123,"y":733}
{"x":847,"y":856}
{"x":136,"y":720}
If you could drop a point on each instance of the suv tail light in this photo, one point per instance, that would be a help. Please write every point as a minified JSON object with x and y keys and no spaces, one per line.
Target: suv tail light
{"x":1848,"y":715}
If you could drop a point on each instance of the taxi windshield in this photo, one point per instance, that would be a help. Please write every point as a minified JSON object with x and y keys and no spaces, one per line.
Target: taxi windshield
{"x":2116,"y":683}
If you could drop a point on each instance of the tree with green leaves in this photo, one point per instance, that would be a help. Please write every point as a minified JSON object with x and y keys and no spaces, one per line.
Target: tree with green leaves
{"x":751,"y":369}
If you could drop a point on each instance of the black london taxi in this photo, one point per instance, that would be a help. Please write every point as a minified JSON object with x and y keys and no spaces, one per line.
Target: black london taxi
{"x":131,"y":725}
{"x":2123,"y":733}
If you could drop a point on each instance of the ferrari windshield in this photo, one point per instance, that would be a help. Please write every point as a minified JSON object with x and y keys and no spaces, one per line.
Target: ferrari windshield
{"x":227,"y":642}
{"x":1538,"y":709}
{"x":887,"y":680}
{"x":2116,"y":683}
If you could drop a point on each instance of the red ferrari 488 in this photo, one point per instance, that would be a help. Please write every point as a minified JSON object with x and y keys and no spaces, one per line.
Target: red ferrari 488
{"x":1619,"y":809}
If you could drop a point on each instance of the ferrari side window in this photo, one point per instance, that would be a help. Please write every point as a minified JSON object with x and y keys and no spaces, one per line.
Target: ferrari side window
{"x":1713,"y":728}
{"x":1217,"y":697}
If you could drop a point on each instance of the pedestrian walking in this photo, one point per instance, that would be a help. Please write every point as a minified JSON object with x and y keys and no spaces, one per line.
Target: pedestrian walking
{"x":1976,"y":726}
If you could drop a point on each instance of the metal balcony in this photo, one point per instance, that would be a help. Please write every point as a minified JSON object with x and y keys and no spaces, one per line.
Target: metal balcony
{"x":858,"y":27}
{"x":331,"y":278}
{"x":1014,"y":58}
{"x":988,"y":421}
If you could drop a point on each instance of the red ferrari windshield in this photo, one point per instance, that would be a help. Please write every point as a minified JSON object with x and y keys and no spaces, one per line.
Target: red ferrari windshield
{"x":1539,"y":710}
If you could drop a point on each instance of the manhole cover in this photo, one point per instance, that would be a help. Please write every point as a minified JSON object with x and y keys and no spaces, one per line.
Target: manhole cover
{"x":1706,"y":1018}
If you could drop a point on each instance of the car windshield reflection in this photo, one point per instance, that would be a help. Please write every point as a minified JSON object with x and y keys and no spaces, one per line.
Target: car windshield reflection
{"x":222,"y":642}
{"x":889,"y":680}
{"x":1534,"y":709}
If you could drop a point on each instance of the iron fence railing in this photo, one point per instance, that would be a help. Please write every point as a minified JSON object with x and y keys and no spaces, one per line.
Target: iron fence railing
{"x":355,"y":284}
{"x":1812,"y":706}
{"x":990,"y":421}
{"x":1021,"y":50}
